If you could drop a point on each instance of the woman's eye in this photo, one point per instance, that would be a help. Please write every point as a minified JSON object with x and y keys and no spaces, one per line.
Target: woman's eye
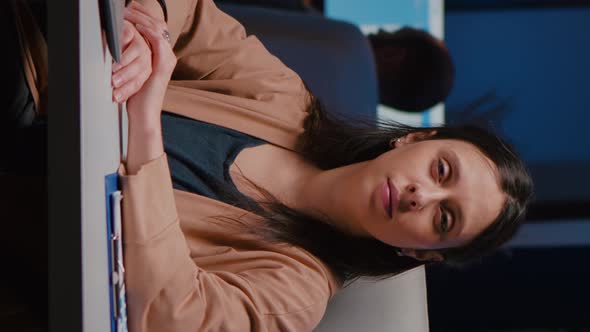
{"x":441,"y":169}
{"x":444,"y":222}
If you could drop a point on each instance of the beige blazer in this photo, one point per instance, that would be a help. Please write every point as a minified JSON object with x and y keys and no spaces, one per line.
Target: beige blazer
{"x":186,"y":271}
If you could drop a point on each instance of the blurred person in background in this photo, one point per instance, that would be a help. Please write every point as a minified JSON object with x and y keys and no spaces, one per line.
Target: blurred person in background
{"x":414,"y":68}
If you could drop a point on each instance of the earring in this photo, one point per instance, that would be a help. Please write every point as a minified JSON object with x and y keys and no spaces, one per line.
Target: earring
{"x":393,"y":141}
{"x":399,"y":252}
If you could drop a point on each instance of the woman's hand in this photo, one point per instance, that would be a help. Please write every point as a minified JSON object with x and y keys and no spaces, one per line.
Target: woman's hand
{"x":147,"y":102}
{"x":145,"y":106}
{"x":135,"y":66}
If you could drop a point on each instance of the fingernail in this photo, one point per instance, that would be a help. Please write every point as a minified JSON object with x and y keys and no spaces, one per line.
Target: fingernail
{"x":116,"y":81}
{"x":117,"y":97}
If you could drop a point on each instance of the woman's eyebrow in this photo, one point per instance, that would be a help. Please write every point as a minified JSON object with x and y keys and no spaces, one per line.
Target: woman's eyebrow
{"x":459,"y":222}
{"x":456,"y":167}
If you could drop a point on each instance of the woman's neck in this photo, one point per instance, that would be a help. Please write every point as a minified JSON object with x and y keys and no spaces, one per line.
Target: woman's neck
{"x":295,"y":182}
{"x":324,"y":197}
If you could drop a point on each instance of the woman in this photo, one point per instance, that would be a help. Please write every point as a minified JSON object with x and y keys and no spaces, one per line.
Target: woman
{"x":246,"y":207}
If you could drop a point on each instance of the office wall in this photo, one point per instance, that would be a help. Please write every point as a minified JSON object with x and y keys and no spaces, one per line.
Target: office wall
{"x":539,"y":61}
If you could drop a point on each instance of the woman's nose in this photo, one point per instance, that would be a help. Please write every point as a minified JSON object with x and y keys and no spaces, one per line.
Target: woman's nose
{"x":418,"y":197}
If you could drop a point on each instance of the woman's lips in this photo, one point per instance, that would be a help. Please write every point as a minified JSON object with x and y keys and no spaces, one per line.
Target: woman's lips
{"x":386,"y":198}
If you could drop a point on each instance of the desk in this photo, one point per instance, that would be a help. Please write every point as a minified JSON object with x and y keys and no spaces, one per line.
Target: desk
{"x":83,"y":145}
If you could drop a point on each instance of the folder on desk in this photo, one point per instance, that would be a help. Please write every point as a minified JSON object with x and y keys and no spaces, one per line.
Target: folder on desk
{"x":118,"y":303}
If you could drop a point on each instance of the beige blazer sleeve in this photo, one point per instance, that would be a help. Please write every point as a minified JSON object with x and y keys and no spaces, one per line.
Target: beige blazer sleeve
{"x":227,"y":78}
{"x":167,"y":291}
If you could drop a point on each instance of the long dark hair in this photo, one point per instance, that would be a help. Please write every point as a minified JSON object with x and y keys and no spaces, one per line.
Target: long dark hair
{"x":331,"y":142}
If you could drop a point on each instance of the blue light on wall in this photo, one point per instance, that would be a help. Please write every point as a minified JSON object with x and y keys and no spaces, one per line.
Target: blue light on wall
{"x":406,"y":12}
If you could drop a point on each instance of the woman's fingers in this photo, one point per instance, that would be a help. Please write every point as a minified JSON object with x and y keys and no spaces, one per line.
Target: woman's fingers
{"x":130,"y":50}
{"x":139,"y":7}
{"x":163,"y":60}
{"x":127,"y":34}
{"x":131,"y":79}
{"x":147,"y":102}
{"x":134,"y":69}
{"x":136,"y":17}
{"x":135,"y":50}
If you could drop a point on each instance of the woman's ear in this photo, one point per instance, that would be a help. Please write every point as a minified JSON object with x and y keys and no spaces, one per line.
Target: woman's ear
{"x":423,"y":255}
{"x":416,"y":136}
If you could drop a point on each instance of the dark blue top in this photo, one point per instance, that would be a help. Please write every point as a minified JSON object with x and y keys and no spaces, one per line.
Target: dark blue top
{"x":200,"y":154}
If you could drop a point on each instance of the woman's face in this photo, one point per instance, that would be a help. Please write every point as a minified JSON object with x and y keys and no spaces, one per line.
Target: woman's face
{"x":426,"y":194}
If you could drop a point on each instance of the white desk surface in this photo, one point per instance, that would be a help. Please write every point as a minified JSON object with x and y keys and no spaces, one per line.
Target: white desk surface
{"x":77,"y":219}
{"x":100,"y":156}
